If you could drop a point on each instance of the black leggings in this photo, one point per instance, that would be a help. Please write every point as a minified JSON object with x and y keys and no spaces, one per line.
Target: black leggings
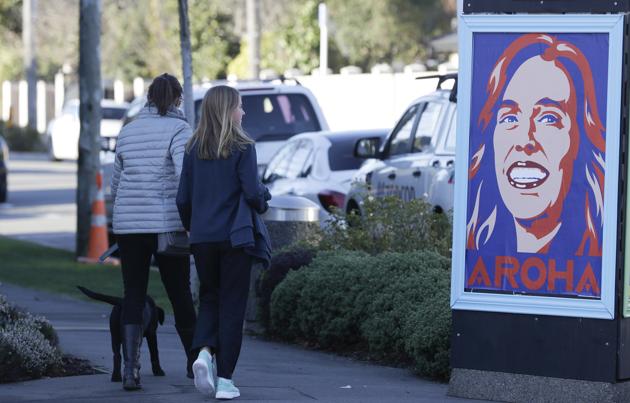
{"x":136,"y":251}
{"x":224,"y":285}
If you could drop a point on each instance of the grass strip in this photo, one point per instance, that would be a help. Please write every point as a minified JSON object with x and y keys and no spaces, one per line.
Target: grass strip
{"x":34,"y":266}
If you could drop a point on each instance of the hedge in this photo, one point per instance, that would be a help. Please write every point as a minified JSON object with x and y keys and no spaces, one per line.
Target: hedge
{"x":290,"y":258}
{"x":393,"y":306}
{"x":21,"y":138}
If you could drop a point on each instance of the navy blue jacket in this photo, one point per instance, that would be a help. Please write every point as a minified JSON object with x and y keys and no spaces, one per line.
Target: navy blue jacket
{"x":210,"y":193}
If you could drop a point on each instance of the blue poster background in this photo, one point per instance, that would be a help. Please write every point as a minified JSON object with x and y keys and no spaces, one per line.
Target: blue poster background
{"x":559,"y":271}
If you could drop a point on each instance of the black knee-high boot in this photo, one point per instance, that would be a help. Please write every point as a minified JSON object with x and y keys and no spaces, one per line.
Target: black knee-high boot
{"x":186,"y":336}
{"x":132,"y":339}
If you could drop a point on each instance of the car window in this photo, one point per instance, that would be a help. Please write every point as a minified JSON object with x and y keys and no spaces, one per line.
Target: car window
{"x":113,"y":113}
{"x":341,"y":155}
{"x":402,"y":136}
{"x":298,"y":160}
{"x":427,"y":126}
{"x":275,"y":117}
{"x":452,"y":135}
{"x":279,"y":163}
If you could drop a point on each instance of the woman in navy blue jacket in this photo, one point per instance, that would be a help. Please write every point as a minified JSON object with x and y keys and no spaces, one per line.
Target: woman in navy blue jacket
{"x":220,"y":196}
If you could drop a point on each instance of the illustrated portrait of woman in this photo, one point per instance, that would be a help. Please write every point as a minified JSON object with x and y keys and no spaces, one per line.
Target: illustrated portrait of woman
{"x":537,"y":153}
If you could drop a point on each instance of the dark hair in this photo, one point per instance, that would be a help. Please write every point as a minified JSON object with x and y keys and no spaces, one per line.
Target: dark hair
{"x":164,"y":92}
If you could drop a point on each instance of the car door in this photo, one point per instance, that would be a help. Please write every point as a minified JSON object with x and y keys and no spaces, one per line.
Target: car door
{"x":429,"y":135}
{"x":385,"y":179}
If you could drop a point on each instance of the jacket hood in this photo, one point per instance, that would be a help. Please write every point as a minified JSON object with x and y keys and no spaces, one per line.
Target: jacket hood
{"x":150,"y":111}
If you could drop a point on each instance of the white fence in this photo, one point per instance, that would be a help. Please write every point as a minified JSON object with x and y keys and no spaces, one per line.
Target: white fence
{"x":366,"y":101}
{"x":355,"y":101}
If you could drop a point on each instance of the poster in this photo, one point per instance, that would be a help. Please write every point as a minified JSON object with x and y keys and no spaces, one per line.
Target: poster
{"x":538,"y":218}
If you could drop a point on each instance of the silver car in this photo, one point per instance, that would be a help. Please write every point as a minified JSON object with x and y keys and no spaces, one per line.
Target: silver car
{"x":417,"y":158}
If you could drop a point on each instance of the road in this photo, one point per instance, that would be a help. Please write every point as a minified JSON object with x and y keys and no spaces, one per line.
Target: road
{"x":41,"y":204}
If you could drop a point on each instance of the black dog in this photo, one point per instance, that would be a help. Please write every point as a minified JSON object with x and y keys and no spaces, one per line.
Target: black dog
{"x":151,"y":316}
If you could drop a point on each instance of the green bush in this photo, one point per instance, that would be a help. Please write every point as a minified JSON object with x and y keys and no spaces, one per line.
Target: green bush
{"x":390,"y":224}
{"x":21,"y":138}
{"x":393,"y":306}
{"x":28,"y":345}
{"x":289,"y":258}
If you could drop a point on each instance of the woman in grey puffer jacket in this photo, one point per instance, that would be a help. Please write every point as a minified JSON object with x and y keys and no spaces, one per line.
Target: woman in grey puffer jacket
{"x":149,"y":155}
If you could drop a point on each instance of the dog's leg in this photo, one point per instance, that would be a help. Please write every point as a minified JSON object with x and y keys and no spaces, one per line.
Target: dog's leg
{"x":153,"y":351}
{"x":114,"y":330}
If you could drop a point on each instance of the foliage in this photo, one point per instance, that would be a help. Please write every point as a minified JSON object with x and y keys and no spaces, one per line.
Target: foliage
{"x":393,"y":306}
{"x":21,"y":138}
{"x":293,"y":257}
{"x":295,"y":43}
{"x":28,"y":345}
{"x":141,"y":38}
{"x":390,"y":224}
{"x":375,"y":31}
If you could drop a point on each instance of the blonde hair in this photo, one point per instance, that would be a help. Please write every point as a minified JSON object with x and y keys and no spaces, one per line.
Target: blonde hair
{"x":217,"y":135}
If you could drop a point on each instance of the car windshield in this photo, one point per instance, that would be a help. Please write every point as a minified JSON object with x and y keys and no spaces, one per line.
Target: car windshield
{"x":113,"y":113}
{"x":275,"y":117}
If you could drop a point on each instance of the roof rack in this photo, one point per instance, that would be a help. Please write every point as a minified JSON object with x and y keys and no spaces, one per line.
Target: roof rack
{"x":441,"y":79}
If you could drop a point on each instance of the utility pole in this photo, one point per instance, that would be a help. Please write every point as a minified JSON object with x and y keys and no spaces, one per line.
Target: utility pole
{"x":90,"y":94}
{"x":253,"y":37}
{"x":29,"y":13}
{"x":322,"y":14}
{"x":184,"y":39}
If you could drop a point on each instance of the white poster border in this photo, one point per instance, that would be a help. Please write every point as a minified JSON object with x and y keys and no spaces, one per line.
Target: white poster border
{"x":468,"y":25}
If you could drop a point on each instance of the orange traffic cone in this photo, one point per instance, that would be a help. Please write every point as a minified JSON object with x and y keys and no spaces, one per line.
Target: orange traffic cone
{"x":98,"y":243}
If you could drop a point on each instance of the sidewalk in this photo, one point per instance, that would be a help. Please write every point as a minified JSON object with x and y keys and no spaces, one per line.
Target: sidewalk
{"x":266,"y":371}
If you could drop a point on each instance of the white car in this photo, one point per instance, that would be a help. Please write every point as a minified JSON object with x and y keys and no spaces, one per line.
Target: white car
{"x":62,"y":135}
{"x":318,"y":166}
{"x":274,"y":112}
{"x":417,"y":158}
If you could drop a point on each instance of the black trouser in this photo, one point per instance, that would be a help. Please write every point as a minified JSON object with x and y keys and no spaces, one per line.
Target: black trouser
{"x":136,"y":251}
{"x":224,"y":286}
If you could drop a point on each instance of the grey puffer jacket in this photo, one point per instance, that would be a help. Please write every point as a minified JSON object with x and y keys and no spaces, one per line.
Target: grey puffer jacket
{"x":149,"y":155}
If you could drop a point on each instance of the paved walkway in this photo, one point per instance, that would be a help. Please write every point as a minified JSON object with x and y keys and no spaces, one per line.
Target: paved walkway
{"x":266,"y":371}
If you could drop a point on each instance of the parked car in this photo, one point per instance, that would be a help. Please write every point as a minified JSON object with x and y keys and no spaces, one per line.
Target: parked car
{"x":62,"y":134}
{"x":417,"y":158}
{"x":4,"y":159}
{"x":274,"y":112}
{"x":318,"y":166}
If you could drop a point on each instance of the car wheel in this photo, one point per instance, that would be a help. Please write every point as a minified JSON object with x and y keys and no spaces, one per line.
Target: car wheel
{"x":353,"y":210}
{"x":51,"y":150}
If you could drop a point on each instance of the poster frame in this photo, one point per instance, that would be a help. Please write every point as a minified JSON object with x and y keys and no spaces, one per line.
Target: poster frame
{"x":468,"y":25}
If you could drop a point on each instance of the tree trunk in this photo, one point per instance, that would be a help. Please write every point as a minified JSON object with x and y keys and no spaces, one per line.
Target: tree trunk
{"x":184,"y":38}
{"x":90,"y":94}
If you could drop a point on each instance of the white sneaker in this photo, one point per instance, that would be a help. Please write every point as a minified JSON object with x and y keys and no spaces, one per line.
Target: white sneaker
{"x":226,"y":389}
{"x":202,"y":369}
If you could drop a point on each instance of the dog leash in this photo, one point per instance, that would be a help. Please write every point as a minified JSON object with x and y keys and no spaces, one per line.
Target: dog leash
{"x":108,"y":253}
